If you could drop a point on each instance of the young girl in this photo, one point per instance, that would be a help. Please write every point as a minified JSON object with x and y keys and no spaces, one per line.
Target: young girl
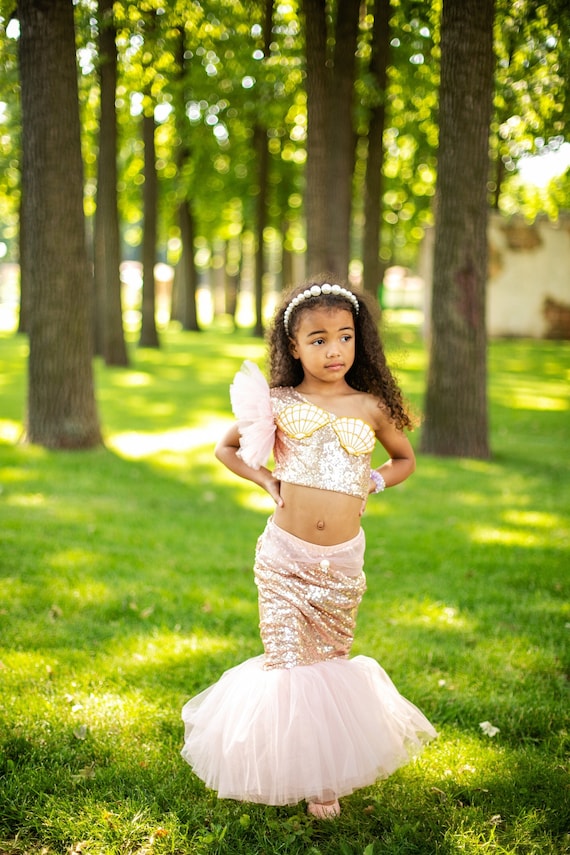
{"x":303,"y":721}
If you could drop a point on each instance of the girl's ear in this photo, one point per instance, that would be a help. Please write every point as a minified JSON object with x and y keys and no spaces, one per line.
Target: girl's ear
{"x":293,"y":348}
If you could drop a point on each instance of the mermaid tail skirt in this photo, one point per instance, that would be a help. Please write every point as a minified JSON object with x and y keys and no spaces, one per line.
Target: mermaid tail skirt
{"x":302,"y":721}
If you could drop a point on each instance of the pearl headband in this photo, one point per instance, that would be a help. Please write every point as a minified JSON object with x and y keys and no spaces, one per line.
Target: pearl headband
{"x":316,"y":291}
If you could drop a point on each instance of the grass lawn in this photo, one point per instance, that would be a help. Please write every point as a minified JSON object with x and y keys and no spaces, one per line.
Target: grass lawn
{"x":126,"y":587}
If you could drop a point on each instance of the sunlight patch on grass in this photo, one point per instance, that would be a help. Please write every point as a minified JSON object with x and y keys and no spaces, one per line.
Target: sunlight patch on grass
{"x":27,"y":500}
{"x":135,"y":445}
{"x":75,"y":558}
{"x":433,"y":613}
{"x":508,"y":537}
{"x":10,"y":431}
{"x":164,"y":648}
{"x":523,"y":528}
{"x":133,"y":378}
{"x":520,"y":401}
{"x":258,"y":502}
{"x":540,"y":519}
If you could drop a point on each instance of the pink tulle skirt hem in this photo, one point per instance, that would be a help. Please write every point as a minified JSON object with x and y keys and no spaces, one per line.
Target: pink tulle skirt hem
{"x":312,"y":732}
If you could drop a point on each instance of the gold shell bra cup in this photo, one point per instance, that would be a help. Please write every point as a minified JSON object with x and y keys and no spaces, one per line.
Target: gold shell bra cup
{"x":301,"y":420}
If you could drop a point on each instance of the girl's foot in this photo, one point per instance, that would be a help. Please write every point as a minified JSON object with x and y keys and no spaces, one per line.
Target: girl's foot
{"x":324,"y":810}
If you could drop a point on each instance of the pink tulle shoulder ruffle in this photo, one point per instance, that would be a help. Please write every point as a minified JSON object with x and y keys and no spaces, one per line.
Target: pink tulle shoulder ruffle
{"x":251,"y":405}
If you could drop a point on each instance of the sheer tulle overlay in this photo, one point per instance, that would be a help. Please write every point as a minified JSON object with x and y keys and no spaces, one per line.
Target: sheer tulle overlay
{"x":311,"y":732}
{"x":302,"y":721}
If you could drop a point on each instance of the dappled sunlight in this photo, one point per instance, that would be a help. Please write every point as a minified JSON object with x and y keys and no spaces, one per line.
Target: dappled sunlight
{"x":132,"y":378}
{"x":483,"y":467}
{"x":538,"y":519}
{"x":528,"y":528}
{"x":526,"y":394}
{"x":76,"y":558}
{"x":26,"y":500}
{"x":163,"y":647}
{"x":520,"y":401}
{"x":136,"y":445}
{"x":258,"y":501}
{"x":10,"y":431}
{"x":506,"y":537}
{"x":431,"y":614}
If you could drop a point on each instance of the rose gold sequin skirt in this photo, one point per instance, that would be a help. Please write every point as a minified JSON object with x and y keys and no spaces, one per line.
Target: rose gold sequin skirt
{"x":302,"y":721}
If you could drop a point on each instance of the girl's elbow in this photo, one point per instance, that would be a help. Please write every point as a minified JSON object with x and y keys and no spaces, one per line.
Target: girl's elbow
{"x":219,"y":450}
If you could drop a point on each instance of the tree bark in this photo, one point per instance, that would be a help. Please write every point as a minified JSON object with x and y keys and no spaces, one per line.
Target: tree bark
{"x":372,"y":272}
{"x":61,"y":402}
{"x":149,"y":334}
{"x":456,"y":402}
{"x":262,"y":159}
{"x":186,"y":277}
{"x":187,"y":274}
{"x":330,"y":141}
{"x":110,"y":339}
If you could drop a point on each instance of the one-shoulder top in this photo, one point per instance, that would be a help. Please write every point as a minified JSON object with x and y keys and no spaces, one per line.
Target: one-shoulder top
{"x":311,"y":446}
{"x":315,"y":448}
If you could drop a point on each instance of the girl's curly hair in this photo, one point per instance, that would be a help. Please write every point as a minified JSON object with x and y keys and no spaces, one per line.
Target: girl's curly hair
{"x":369,"y":372}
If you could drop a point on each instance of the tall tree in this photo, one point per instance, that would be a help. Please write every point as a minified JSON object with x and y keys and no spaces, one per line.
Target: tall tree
{"x":380,"y":52}
{"x":110,"y":339}
{"x":262,"y":158}
{"x":456,"y":400}
{"x":149,"y":334}
{"x":185,"y":307}
{"x":330,"y":62}
{"x":61,"y":401}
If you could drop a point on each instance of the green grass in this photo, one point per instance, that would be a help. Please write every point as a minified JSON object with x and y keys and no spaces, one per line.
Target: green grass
{"x":126,"y":587}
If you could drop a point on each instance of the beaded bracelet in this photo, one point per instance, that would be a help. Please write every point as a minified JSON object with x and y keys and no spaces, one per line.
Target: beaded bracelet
{"x":378,"y":480}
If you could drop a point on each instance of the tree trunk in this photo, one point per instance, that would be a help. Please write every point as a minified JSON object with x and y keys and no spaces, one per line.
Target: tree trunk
{"x":316,"y":190}
{"x":330,"y":141}
{"x":61,"y":402}
{"x":341,"y":137}
{"x":187,"y":274}
{"x":149,"y":335}
{"x":373,"y":183}
{"x":110,"y":337}
{"x":186,"y":279}
{"x":262,"y":158}
{"x":25,"y":259}
{"x":456,"y":400}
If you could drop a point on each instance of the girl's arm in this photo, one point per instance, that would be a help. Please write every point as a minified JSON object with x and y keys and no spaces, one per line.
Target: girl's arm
{"x":226,"y":452}
{"x":402,"y":462}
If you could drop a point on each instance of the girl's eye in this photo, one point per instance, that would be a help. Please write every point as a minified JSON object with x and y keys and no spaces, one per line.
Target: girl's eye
{"x":318,"y":341}
{"x":346,"y":337}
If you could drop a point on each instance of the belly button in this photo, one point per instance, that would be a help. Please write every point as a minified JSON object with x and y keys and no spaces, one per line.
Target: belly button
{"x":320,"y":525}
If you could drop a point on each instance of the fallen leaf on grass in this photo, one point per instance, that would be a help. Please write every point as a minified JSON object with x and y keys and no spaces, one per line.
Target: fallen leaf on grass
{"x":488,"y":728}
{"x":84,"y":774}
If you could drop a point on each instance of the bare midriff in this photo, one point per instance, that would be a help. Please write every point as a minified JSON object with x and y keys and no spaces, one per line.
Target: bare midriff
{"x":318,"y":516}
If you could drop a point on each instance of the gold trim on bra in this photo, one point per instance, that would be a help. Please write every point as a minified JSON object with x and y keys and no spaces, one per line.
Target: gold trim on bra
{"x":299,"y":421}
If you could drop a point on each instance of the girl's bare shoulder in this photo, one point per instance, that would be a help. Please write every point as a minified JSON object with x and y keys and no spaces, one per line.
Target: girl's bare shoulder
{"x":371,"y":410}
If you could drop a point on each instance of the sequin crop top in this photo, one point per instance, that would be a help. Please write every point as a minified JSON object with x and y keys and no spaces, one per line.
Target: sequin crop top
{"x":311,"y":447}
{"x":314,"y":448}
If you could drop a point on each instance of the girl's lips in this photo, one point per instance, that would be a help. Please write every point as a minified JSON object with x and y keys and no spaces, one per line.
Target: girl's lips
{"x":334,"y":366}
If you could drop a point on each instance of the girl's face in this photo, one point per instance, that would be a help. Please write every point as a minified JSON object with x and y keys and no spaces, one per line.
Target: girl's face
{"x":324,"y":341}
